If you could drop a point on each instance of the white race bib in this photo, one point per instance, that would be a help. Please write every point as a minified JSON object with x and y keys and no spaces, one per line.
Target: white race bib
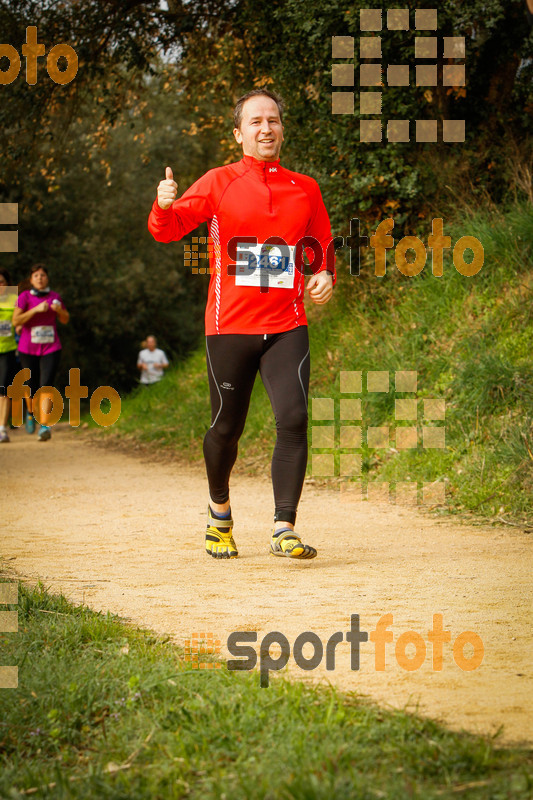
{"x":43,"y":334}
{"x":268,"y":265}
{"x":5,"y":327}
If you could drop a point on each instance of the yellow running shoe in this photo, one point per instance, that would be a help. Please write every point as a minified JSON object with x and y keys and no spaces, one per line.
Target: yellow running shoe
{"x":219,"y":541}
{"x":285,"y":542}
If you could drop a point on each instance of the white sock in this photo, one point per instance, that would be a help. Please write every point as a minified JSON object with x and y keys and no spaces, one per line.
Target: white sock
{"x":2,"y":428}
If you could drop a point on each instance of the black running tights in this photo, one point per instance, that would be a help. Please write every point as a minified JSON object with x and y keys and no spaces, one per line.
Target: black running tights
{"x":43,"y":368}
{"x":282,"y":359}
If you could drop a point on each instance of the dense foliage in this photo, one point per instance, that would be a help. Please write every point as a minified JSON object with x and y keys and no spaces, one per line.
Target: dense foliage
{"x":155,"y":86}
{"x":287,"y":44}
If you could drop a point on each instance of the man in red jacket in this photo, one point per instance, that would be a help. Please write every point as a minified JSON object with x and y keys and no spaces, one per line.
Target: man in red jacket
{"x":261,"y":218}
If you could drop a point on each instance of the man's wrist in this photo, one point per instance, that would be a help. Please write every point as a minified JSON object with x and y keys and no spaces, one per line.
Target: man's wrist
{"x":157,"y":207}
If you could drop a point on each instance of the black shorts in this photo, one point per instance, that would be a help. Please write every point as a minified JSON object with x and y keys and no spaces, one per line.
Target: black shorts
{"x":43,"y":368}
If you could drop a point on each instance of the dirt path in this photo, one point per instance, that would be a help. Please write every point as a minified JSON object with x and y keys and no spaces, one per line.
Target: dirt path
{"x":124,"y":534}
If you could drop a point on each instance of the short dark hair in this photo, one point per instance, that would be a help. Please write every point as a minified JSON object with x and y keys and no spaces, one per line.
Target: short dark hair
{"x":6,"y":274}
{"x":237,"y":111}
{"x":36,"y":267}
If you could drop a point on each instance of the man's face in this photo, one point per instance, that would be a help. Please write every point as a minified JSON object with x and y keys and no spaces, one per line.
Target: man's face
{"x":261,"y":131}
{"x":151,"y":343}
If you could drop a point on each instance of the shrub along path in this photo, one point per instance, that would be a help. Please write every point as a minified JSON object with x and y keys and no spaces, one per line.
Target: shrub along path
{"x":125,"y":534}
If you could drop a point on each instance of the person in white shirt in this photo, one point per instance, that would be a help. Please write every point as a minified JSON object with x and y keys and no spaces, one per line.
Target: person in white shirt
{"x":151,"y":362}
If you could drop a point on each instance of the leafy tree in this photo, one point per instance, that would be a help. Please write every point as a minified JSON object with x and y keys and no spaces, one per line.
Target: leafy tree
{"x":286,"y":44}
{"x":87,"y":220}
{"x":155,"y":86}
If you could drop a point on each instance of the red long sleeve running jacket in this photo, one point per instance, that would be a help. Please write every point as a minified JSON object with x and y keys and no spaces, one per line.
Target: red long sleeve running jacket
{"x":261,"y":217}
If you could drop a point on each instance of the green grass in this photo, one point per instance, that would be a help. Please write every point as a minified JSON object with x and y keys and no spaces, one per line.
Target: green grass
{"x":107,"y":711}
{"x":470,"y":340}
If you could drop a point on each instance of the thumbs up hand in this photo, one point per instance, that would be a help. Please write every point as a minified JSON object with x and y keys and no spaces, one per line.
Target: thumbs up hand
{"x":167,"y":190}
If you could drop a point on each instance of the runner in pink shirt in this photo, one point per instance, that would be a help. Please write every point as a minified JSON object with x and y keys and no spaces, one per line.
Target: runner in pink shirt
{"x":38,"y":310}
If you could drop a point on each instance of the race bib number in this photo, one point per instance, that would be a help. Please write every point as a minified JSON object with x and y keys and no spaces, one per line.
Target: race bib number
{"x":43,"y":334}
{"x":5,"y":328}
{"x":265,"y":265}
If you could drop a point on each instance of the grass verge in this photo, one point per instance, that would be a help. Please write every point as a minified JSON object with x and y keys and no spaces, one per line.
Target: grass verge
{"x":104,"y":710}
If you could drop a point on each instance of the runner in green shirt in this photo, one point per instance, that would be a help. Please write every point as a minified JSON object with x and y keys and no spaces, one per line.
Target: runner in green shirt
{"x":8,"y":347}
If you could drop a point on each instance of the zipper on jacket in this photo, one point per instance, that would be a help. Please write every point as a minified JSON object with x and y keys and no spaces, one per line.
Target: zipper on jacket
{"x":268,"y":187}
